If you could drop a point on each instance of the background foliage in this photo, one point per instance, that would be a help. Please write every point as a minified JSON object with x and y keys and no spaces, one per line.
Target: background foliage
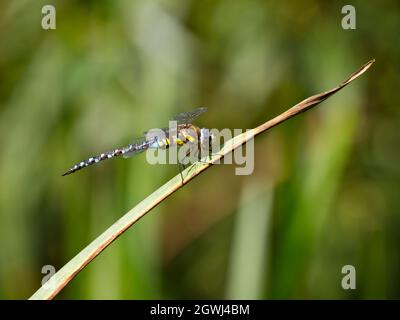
{"x":325,"y":188}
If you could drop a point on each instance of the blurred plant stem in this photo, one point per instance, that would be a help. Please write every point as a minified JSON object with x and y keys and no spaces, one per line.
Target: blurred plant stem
{"x":251,"y":243}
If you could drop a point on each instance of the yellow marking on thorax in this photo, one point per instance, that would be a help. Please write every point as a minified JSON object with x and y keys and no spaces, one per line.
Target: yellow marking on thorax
{"x":188,"y":137}
{"x":183,"y":136}
{"x":193,"y":129}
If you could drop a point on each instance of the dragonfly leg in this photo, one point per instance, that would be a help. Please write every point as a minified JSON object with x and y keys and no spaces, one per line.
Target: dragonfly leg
{"x":210,"y":155}
{"x":181,"y":168}
{"x":182,"y":165}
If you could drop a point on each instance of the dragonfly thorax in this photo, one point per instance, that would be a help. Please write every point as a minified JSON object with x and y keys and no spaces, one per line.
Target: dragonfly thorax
{"x":181,"y":135}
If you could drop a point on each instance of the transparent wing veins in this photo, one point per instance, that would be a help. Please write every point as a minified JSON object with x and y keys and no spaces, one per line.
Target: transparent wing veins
{"x":189,"y":116}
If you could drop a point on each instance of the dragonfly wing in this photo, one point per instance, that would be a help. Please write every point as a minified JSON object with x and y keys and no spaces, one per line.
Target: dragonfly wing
{"x":189,"y":116}
{"x":157,"y":132}
{"x":130,"y":153}
{"x":182,"y":118}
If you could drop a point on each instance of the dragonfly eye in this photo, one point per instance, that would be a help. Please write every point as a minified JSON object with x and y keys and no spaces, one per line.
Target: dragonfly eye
{"x":207,"y":137}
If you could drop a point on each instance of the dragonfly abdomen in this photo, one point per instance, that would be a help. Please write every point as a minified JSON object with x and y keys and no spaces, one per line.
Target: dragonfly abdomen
{"x":93,"y":160}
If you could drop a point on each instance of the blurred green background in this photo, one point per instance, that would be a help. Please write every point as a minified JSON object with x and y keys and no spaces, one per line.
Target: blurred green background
{"x":325,"y":189}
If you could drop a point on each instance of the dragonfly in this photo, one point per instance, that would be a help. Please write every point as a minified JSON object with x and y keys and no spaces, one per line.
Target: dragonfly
{"x":185,"y":132}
